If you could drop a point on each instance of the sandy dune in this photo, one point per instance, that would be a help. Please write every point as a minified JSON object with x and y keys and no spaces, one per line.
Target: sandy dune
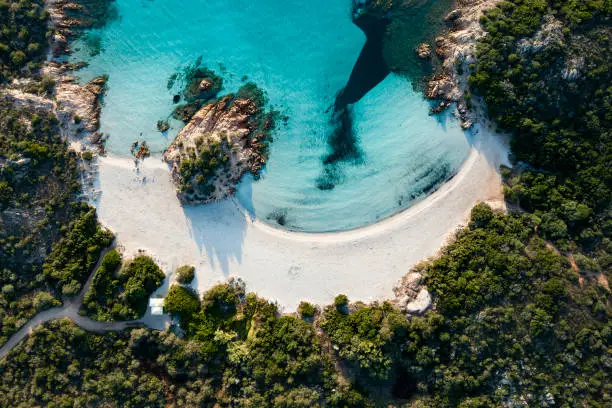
{"x":221,"y":241}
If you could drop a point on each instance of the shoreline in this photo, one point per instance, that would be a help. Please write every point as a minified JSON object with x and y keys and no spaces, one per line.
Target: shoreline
{"x":138,"y":202}
{"x":221,"y":240}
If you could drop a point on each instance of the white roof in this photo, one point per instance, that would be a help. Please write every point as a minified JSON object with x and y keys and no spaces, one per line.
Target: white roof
{"x":156,"y":302}
{"x":157,"y":311}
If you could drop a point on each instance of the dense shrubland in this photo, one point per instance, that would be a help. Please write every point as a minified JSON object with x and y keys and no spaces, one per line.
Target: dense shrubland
{"x":49,"y":241}
{"x":512,"y":323}
{"x":74,"y":256}
{"x":545,"y":71}
{"x":121,"y":292}
{"x":23,"y":37}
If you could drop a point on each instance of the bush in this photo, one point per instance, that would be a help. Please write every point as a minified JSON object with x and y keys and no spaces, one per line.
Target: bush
{"x":181,"y":301}
{"x":87,"y":156}
{"x":341,"y":302}
{"x":481,"y":215}
{"x":306,"y":310}
{"x":8,"y":291}
{"x":185,"y":274}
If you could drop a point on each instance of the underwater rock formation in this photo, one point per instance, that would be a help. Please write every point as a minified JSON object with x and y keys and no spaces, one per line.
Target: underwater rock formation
{"x":224,"y":140}
{"x":200,"y":86}
{"x":370,"y":68}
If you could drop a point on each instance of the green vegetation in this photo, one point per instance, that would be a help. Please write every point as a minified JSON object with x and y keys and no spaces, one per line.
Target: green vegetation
{"x":306,"y":310}
{"x":203,"y":164}
{"x":23,"y":38}
{"x":512,"y":322}
{"x":181,"y":301}
{"x":74,"y":256}
{"x":368,"y":340}
{"x":341,"y":302}
{"x":185,"y":274}
{"x":240,"y":354}
{"x":49,"y":241}
{"x":522,"y":301}
{"x":122,"y":293}
{"x":545,"y":73}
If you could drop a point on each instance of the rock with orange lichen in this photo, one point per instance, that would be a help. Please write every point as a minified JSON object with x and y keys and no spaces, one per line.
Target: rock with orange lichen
{"x":223,"y":141}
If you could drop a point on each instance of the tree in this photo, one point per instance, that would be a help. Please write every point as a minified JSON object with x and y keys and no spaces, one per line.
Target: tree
{"x":182,"y":302}
{"x":185,"y":274}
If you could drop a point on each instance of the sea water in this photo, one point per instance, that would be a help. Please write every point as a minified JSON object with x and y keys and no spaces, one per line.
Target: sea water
{"x":301,"y":53}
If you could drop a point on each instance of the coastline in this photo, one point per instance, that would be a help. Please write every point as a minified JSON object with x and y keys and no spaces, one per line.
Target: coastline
{"x":456,"y":49}
{"x":222,"y":241}
{"x":139,"y":204}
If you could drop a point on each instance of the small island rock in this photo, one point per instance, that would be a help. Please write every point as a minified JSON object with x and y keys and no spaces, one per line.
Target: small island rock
{"x":424,"y":51}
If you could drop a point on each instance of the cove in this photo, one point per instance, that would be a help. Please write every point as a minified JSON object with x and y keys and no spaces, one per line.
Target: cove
{"x":303,"y":55}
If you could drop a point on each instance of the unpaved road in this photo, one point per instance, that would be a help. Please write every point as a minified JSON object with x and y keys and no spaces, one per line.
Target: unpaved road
{"x":70,"y":310}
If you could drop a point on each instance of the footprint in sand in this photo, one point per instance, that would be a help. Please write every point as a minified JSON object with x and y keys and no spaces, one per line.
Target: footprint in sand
{"x":295,"y":271}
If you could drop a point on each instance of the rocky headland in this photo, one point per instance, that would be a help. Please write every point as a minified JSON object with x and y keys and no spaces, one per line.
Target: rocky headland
{"x":77,"y":106}
{"x":55,"y":90}
{"x":457,"y":49}
{"x":69,"y":17}
{"x":224,"y":140}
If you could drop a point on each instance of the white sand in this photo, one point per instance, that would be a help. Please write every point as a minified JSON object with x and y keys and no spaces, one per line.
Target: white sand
{"x":221,"y":241}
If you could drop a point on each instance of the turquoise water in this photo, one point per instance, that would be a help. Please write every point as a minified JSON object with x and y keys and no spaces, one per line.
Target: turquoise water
{"x":301,"y":53}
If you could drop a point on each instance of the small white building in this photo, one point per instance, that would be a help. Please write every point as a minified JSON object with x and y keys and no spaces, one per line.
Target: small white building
{"x":157,"y":306}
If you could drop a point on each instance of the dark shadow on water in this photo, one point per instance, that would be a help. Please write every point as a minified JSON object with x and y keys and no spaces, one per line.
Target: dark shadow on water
{"x":391,"y":38}
{"x":369,"y":71}
{"x":219,"y":229}
{"x":343,"y":142}
{"x":370,"y":68}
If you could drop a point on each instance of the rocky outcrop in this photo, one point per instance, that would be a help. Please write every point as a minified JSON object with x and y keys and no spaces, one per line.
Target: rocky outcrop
{"x":140,"y":150}
{"x":424,"y":51}
{"x":411,"y":295}
{"x":457,"y":48}
{"x":224,"y":140}
{"x":550,"y":34}
{"x":69,"y":16}
{"x":453,"y":15}
{"x":79,"y":106}
{"x":201,"y":85}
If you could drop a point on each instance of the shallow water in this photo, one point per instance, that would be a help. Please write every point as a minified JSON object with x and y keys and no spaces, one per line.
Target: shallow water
{"x":301,"y":54}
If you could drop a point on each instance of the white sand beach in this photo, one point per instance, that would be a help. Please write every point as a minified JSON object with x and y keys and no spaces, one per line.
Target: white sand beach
{"x":142,"y":209}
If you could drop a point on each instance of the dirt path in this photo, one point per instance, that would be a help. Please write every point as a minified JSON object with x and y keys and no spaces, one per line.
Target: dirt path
{"x":70,"y":310}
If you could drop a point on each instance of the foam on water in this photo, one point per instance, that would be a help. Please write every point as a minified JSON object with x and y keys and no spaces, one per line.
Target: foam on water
{"x":301,"y":54}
